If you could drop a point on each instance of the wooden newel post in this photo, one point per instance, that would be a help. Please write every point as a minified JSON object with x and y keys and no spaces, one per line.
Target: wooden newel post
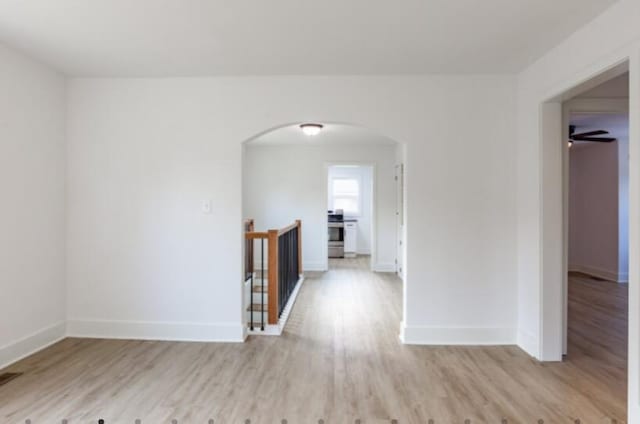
{"x":299,"y":229}
{"x":273,"y":277}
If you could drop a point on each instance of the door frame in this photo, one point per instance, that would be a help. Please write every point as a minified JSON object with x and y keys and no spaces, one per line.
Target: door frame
{"x":374,"y":206}
{"x":553,"y":218}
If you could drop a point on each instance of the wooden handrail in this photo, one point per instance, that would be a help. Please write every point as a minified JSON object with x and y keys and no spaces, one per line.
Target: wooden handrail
{"x":265,"y":235}
{"x":256,"y":235}
{"x":272,"y":271}
{"x":288,"y":228}
{"x":272,"y":237}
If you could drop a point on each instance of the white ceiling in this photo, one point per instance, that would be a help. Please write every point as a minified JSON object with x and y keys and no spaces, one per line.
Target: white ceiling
{"x":616,"y":88}
{"x":331,"y":134}
{"x":270,"y":37}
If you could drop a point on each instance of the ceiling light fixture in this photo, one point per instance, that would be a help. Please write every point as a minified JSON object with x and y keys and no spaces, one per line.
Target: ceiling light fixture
{"x":311,"y":129}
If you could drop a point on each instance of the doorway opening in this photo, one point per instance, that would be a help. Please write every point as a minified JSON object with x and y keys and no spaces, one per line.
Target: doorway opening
{"x":585,"y":227}
{"x":351,"y":207}
{"x":596,"y":329}
{"x":340,"y":182}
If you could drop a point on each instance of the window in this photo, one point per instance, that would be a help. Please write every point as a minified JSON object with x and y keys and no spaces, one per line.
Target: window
{"x":345,"y":195}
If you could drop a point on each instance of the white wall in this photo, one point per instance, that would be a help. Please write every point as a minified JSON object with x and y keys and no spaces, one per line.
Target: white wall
{"x":401,"y":193}
{"x":32,"y":216}
{"x":277,"y":195}
{"x":144,"y":153}
{"x":593,"y":209}
{"x":610,"y":39}
{"x":365,"y":174}
{"x":623,"y":208}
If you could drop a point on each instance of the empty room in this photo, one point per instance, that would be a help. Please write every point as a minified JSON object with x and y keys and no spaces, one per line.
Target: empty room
{"x":418,"y":211}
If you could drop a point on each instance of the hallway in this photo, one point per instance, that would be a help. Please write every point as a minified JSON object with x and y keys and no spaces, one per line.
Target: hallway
{"x":339,"y":360}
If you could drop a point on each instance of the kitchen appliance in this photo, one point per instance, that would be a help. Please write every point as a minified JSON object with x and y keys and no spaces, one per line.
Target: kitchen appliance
{"x":335,"y":227}
{"x":336,"y":216}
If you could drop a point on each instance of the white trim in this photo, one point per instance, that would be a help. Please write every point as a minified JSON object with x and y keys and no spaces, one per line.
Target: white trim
{"x":527,"y":342}
{"x":552,"y":231}
{"x":27,"y":346}
{"x":467,"y":336}
{"x":277,"y":329}
{"x":269,"y":330}
{"x":165,"y":331}
{"x":401,"y":334}
{"x":600,"y":273}
{"x":384,"y":267}
{"x":314,"y":266}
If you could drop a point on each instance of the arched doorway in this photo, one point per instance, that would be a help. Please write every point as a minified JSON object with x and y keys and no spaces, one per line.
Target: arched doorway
{"x":345,"y":170}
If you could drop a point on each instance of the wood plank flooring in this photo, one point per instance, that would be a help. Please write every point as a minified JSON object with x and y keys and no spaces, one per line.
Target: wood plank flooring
{"x":339,"y":360}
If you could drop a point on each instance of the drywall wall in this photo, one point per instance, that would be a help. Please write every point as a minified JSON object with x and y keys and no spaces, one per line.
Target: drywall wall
{"x":144,"y":260}
{"x":401,"y":195}
{"x":277,"y":195}
{"x":32,"y":216}
{"x":608,"y":40}
{"x":593,"y":209}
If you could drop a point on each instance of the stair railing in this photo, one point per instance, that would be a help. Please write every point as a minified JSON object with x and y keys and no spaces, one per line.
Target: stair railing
{"x":284,"y":268}
{"x":248,"y":250}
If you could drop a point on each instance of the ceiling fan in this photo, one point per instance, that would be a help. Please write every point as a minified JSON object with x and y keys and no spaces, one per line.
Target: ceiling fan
{"x":590,"y":136}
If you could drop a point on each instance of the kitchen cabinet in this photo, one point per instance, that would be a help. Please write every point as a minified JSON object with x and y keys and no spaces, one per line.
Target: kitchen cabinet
{"x":350,"y":238}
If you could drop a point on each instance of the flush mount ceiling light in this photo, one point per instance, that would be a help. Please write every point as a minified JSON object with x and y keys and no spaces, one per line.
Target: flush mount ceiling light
{"x":311,"y":129}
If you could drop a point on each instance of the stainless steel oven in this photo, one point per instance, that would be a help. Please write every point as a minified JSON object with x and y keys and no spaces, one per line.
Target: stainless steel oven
{"x":336,"y":239}
{"x":335,"y":226}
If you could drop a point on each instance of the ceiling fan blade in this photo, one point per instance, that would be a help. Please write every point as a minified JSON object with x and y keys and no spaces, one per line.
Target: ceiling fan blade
{"x":595,"y":139}
{"x":591,"y":133}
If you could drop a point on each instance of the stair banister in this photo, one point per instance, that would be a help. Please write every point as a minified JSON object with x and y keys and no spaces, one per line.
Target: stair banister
{"x":280,"y":280}
{"x":273,"y":277}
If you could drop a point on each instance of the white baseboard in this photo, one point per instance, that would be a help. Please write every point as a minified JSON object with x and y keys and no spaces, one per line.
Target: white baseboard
{"x":384,"y":267}
{"x":169,"y":331}
{"x":600,"y":273}
{"x":15,"y":351}
{"x":401,"y":334}
{"x":528,"y":343}
{"x":467,"y":336}
{"x":314,"y":266}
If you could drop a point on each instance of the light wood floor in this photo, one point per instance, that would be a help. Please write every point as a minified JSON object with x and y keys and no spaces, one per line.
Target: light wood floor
{"x":339,"y":360}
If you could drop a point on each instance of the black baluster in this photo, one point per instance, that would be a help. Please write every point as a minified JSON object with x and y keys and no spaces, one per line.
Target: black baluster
{"x":262,"y":285}
{"x":251,"y":299}
{"x":280,"y":272}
